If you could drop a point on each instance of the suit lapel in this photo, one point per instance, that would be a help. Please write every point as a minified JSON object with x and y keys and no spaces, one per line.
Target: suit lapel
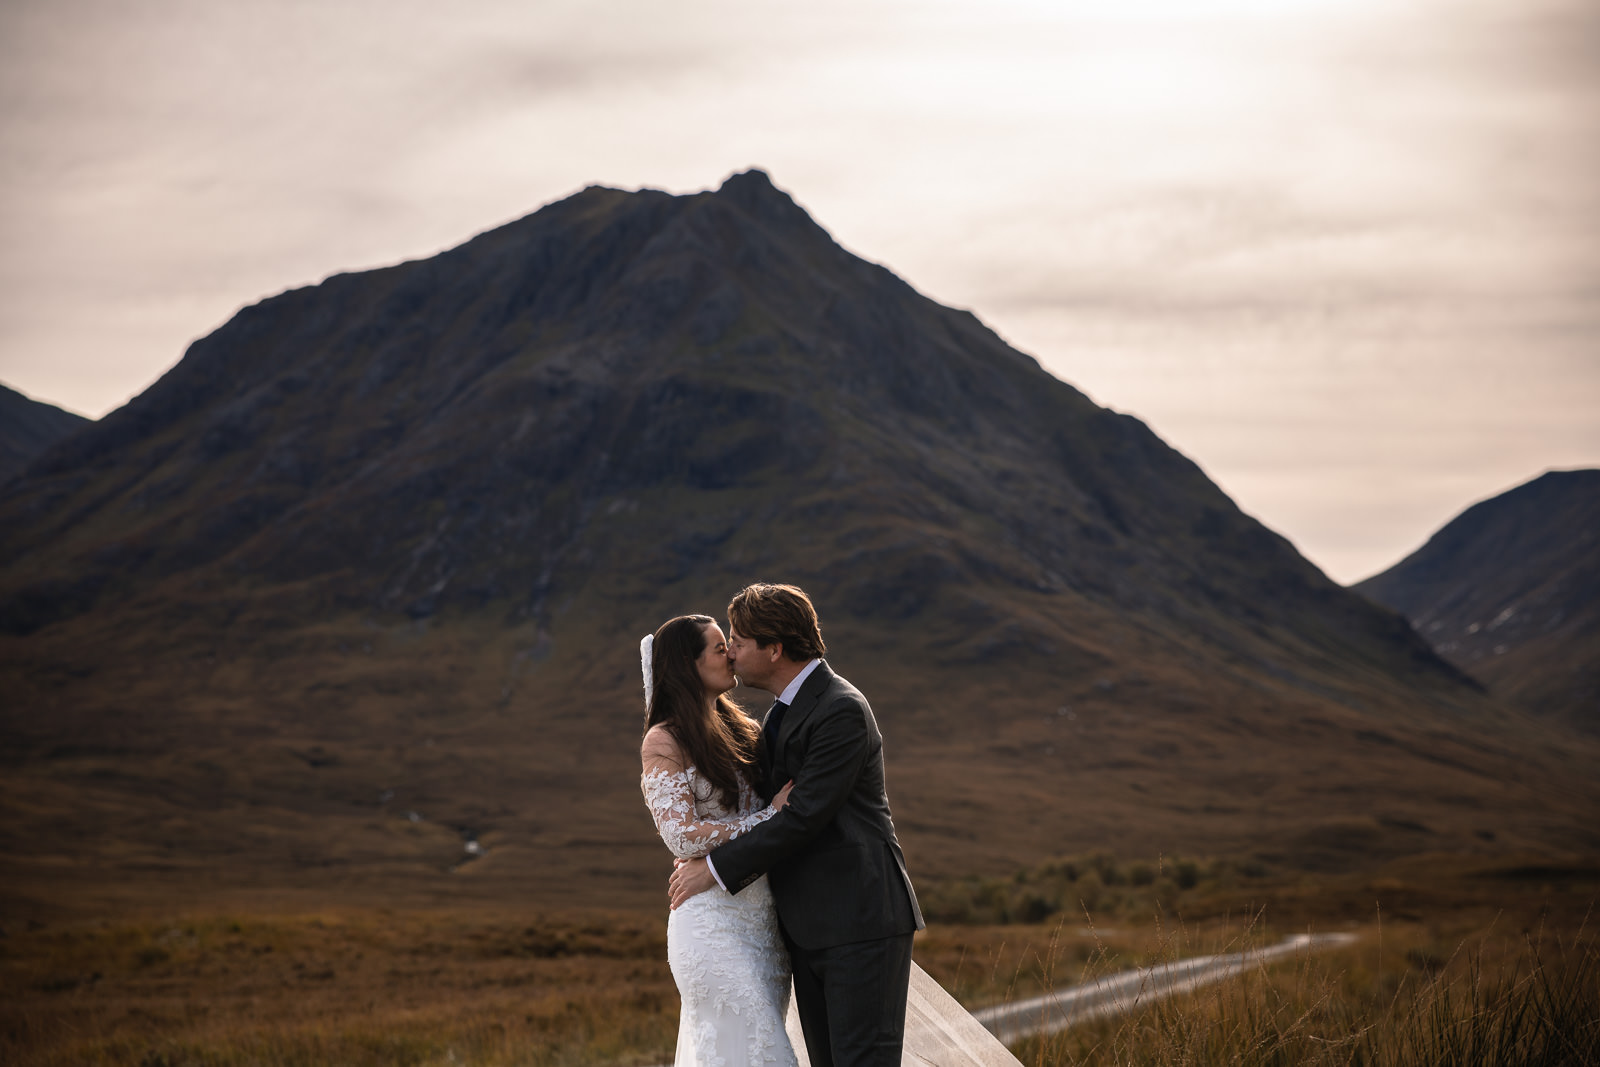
{"x":805,"y":702}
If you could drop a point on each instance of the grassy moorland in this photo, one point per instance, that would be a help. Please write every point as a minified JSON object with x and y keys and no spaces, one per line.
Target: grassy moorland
{"x":1451,"y":963}
{"x":368,"y":987}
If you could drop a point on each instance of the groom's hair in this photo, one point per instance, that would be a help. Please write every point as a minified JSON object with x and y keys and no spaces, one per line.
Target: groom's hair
{"x":768,"y":613}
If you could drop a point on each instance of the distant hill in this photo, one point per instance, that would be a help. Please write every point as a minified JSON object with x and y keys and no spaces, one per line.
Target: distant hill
{"x":1509,"y":591}
{"x":384,"y":547}
{"x":28,"y":427}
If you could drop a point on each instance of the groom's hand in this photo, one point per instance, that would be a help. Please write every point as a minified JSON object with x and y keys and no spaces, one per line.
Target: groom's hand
{"x":690,"y":879}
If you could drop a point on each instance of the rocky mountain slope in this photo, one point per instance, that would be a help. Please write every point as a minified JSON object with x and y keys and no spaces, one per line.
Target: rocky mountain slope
{"x":28,"y":427}
{"x":1509,"y":591}
{"x":360,"y":581}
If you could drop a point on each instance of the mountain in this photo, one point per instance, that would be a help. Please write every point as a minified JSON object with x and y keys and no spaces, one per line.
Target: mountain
{"x":361,"y":580}
{"x":28,"y":427}
{"x":1509,"y":591}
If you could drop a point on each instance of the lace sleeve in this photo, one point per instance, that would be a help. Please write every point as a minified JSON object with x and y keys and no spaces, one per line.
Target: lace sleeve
{"x":669,"y":794}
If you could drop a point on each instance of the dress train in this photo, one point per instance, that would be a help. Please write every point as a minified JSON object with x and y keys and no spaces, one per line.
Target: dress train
{"x":939,"y":1031}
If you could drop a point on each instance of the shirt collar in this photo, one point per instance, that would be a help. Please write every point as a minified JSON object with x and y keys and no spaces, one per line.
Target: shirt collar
{"x":792,"y":690}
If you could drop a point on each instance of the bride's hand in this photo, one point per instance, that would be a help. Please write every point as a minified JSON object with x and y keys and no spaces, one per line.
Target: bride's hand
{"x":782,"y":796}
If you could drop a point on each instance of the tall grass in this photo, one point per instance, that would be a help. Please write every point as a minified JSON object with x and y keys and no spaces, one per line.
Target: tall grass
{"x":1526,"y":1002}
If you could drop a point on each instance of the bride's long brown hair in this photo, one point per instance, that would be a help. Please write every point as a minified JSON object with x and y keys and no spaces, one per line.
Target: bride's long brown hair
{"x":722,"y":745}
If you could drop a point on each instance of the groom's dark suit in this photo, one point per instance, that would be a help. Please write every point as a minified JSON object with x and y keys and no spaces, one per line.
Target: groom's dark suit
{"x":837,"y":875}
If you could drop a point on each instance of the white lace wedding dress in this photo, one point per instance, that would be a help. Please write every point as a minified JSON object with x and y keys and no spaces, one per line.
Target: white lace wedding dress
{"x":728,"y":957}
{"x":725,"y":951}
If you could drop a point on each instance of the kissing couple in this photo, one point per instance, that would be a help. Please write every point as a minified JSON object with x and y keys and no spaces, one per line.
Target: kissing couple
{"x":787,"y":862}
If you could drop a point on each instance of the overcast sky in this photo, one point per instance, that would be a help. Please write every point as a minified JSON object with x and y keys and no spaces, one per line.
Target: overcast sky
{"x":1342,"y":253}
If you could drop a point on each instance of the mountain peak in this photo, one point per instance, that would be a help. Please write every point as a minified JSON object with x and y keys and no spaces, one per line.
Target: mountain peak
{"x":753,"y":178}
{"x":753,"y":192}
{"x":1507,"y":592}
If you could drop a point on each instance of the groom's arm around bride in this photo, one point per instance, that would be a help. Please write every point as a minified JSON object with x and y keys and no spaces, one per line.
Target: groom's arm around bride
{"x":844,"y":901}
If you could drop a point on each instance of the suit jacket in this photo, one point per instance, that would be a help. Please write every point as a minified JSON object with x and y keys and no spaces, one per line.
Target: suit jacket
{"x":831,"y":857}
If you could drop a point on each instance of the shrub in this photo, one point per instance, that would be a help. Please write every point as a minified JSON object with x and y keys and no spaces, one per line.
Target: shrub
{"x":1186,"y":873}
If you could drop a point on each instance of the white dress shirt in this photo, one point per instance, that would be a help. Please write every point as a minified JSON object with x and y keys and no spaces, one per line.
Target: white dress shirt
{"x":792,"y":690}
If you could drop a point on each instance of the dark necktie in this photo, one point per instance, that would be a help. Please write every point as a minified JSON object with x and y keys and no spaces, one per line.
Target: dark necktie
{"x":774,"y":724}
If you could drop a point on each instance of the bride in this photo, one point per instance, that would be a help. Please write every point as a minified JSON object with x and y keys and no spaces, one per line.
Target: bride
{"x":700,"y":754}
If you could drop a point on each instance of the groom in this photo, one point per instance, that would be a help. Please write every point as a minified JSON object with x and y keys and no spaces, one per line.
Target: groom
{"x":844,"y":901}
